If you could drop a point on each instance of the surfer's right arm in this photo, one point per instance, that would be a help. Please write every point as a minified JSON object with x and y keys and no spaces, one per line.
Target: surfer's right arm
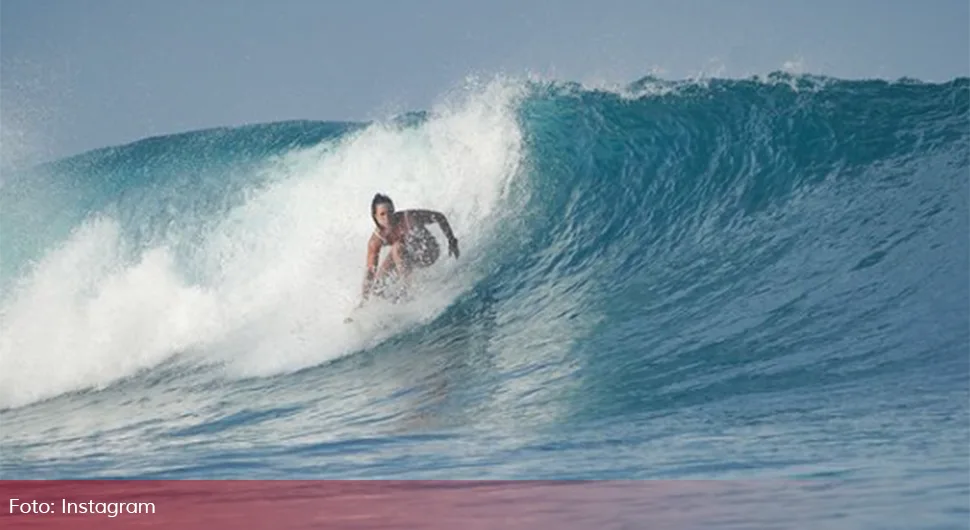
{"x":373,"y":256}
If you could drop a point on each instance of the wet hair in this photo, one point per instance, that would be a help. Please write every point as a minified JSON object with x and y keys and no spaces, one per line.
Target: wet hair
{"x":379,"y":199}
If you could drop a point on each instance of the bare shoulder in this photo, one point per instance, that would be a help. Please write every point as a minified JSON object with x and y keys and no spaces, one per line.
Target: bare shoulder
{"x":374,"y":242}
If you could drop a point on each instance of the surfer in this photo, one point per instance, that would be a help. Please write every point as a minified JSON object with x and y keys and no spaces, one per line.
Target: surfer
{"x":412,"y":245}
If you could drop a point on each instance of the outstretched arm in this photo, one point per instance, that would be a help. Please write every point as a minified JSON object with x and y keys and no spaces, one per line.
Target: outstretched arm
{"x":425,"y":217}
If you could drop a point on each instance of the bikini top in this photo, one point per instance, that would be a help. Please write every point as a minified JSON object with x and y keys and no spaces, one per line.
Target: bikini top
{"x":407,"y":230}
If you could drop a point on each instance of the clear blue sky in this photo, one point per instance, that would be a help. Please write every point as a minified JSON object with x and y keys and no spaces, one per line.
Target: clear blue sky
{"x":80,"y":74}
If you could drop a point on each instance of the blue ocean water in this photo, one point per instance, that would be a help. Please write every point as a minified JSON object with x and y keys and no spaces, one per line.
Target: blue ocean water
{"x":717,"y":279}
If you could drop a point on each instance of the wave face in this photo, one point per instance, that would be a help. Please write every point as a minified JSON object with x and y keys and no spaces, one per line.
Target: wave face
{"x":725,"y":278}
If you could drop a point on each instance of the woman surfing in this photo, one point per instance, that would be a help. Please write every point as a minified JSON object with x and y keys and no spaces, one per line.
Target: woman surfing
{"x":412,"y":245}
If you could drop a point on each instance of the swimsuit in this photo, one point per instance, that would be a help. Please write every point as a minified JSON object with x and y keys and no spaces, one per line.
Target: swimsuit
{"x":420,"y":247}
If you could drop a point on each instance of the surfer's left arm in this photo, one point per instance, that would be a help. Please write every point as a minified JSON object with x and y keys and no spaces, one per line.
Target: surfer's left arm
{"x":431,"y":216}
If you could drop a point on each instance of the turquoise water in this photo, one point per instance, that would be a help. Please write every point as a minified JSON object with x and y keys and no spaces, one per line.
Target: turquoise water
{"x":720,"y":279}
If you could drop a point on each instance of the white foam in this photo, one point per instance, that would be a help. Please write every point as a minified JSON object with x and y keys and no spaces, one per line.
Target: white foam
{"x":85,"y":317}
{"x":280,"y":272}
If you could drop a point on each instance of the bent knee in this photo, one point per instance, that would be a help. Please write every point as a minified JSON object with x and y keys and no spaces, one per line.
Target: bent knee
{"x":426,"y":258}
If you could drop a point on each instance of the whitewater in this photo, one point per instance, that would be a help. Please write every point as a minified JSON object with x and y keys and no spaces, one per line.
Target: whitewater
{"x":760,"y":278}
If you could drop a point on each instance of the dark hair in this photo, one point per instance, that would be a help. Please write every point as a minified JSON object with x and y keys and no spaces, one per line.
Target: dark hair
{"x":379,"y":199}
